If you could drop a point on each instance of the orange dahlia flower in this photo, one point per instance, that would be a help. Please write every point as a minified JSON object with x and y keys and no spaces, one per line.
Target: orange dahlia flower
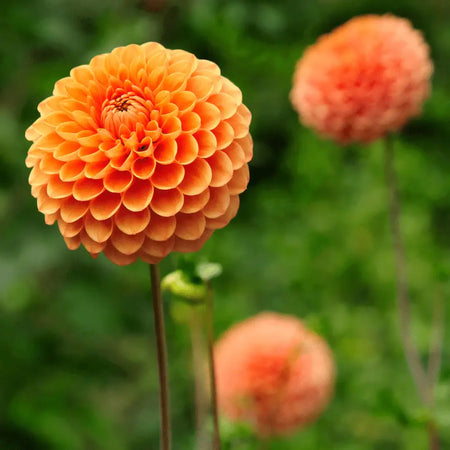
{"x":363,"y":80}
{"x":273,"y":373}
{"x":141,"y":152}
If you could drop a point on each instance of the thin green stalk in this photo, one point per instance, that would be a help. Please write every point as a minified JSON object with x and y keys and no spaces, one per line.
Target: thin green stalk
{"x":161,"y":350}
{"x":423,"y":381}
{"x":199,"y":358}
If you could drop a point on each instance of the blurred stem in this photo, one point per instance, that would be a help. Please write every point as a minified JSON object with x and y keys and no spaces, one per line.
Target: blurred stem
{"x":437,"y":341}
{"x":424,"y":385}
{"x":199,"y":356}
{"x":263,"y":444}
{"x":211,"y":365}
{"x":161,"y":350}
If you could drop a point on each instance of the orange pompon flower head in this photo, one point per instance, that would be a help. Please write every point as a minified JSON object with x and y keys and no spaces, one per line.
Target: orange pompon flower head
{"x":141,"y":152}
{"x":273,"y":373}
{"x":363,"y":80}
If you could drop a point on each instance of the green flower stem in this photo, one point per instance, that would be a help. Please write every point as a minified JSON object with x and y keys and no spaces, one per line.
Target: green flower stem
{"x":161,"y":350}
{"x":423,"y":381}
{"x":199,"y":358}
{"x":212,"y":372}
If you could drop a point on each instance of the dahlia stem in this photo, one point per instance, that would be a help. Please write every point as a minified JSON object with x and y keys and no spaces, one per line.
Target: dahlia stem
{"x":200,"y":383}
{"x":437,"y":341}
{"x":423,"y":381}
{"x":161,"y":350}
{"x":211,"y":365}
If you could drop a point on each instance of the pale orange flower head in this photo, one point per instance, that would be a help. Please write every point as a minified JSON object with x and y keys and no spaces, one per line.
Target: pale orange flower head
{"x":141,"y":152}
{"x":363,"y":80}
{"x":273,"y":373}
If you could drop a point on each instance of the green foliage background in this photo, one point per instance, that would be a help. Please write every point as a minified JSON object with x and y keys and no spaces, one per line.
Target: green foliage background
{"x":77,"y":361}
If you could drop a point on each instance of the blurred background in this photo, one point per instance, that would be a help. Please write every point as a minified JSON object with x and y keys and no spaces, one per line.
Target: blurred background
{"x":77,"y":361}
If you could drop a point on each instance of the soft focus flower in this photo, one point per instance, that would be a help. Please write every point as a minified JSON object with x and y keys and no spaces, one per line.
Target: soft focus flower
{"x":139,"y":153}
{"x":363,"y":80}
{"x":273,"y":373}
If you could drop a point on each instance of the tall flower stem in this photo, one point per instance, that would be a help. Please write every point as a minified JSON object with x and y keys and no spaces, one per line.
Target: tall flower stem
{"x":423,"y":382}
{"x":161,"y":349}
{"x":211,"y":365}
{"x":199,"y":358}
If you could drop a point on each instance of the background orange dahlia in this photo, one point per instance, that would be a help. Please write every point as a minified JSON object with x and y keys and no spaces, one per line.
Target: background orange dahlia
{"x":363,"y":80}
{"x":141,"y":152}
{"x":273,"y":373}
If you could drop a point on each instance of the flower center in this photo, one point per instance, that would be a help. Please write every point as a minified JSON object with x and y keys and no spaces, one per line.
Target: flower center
{"x":122,"y":112}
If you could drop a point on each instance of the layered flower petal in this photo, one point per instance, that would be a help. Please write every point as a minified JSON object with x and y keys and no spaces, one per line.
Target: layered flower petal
{"x":273,"y":373}
{"x":363,"y":80}
{"x":139,"y":153}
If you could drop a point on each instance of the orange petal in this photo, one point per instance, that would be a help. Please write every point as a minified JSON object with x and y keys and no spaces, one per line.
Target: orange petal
{"x":184,"y":100}
{"x":156,"y":77}
{"x":187,"y":149}
{"x":97,"y":169}
{"x":207,"y":143}
{"x":149,"y":259}
{"x":87,"y":189}
{"x":47,"y":205}
{"x":190,"y":122}
{"x":70,"y":229}
{"x":194,"y":203}
{"x":185,"y":246}
{"x":236,"y":154}
{"x":89,"y":244}
{"x":72,"y":170}
{"x":209,"y":115}
{"x":50,"y":219}
{"x":200,"y":86}
{"x":118,"y":181}
{"x":143,"y":168}
{"x":182,"y":61}
{"x":125,"y":243}
{"x":105,"y":205}
{"x":160,"y":228}
{"x":98,"y":230}
{"x":67,"y":151}
{"x":72,"y":242}
{"x":89,"y":138}
{"x":225,"y":103}
{"x":218,"y":202}
{"x":117,"y":257}
{"x":90,"y":154}
{"x":165,"y":151}
{"x":239,"y":125}
{"x":50,"y":165}
{"x":224,"y":134}
{"x":190,"y":226}
{"x":132,"y":222}
{"x":167,"y":203}
{"x":167,"y":176}
{"x":73,"y":210}
{"x":197,"y":177}
{"x":174,"y":82}
{"x":57,"y":188}
{"x":232,"y":90}
{"x":171,"y":128}
{"x":159,"y":249}
{"x":49,"y":141}
{"x":82,"y":74}
{"x":221,"y":167}
{"x":247,"y":146}
{"x":239,"y":181}
{"x":138,"y":195}
{"x":222,"y":221}
{"x":168,"y":110}
{"x":37,"y":177}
